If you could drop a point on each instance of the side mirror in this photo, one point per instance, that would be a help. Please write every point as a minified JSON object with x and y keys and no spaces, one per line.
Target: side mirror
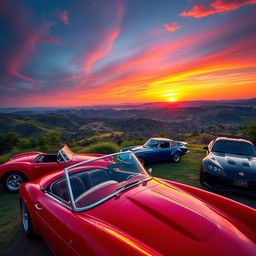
{"x":206,"y":148}
{"x":150,"y":171}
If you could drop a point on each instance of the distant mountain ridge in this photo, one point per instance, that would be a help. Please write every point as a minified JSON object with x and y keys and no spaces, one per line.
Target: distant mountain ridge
{"x":144,"y":106}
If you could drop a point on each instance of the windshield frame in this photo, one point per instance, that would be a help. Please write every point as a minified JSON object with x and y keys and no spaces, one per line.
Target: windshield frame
{"x":115,"y":194}
{"x":66,"y":154}
{"x":147,"y":144}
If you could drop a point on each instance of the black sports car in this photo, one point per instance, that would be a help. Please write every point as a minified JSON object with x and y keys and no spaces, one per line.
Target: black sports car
{"x":230,"y":165}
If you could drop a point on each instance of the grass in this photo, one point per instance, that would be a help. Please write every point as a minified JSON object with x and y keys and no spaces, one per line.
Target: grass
{"x":13,"y":241}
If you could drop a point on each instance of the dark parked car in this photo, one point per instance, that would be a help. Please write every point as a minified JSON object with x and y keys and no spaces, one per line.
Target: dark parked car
{"x":230,"y":165}
{"x":159,"y":149}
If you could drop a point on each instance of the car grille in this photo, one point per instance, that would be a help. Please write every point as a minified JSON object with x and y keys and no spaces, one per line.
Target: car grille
{"x":223,"y":182}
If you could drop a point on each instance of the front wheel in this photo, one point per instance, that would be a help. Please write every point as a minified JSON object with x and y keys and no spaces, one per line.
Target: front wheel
{"x":26,"y":220}
{"x":176,"y":157}
{"x":13,"y":180}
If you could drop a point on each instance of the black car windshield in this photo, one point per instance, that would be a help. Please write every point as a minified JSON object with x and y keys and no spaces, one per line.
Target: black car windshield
{"x":234,"y":147}
{"x":151,"y":143}
{"x":94,"y":181}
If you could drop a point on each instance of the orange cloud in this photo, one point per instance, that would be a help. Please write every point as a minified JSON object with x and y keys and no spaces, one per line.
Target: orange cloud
{"x":217,"y":6}
{"x":63,"y":16}
{"x":14,"y":65}
{"x":103,"y":47}
{"x":171,"y":27}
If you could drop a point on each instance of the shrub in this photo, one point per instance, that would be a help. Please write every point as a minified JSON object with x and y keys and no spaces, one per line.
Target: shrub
{"x":205,"y":138}
{"x":101,"y":148}
{"x":129,"y":143}
{"x":250,"y":131}
{"x":8,"y":141}
{"x":4,"y":158}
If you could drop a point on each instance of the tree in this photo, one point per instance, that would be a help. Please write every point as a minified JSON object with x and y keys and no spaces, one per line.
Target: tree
{"x":250,"y":131}
{"x":8,"y":141}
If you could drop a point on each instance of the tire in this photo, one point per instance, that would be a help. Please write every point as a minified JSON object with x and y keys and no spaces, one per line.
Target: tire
{"x":201,"y":178}
{"x":12,"y":181}
{"x":26,"y":221}
{"x":176,"y":157}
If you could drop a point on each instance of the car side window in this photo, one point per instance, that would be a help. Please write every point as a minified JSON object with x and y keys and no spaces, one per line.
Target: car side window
{"x":173,"y":144}
{"x":164,"y":145}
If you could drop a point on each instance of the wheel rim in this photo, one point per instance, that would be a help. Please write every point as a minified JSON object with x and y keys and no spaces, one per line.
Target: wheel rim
{"x":13,"y":182}
{"x":24,"y":216}
{"x":176,"y":157}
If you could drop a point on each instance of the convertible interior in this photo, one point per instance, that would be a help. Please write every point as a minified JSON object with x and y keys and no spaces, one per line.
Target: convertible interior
{"x":85,"y":183}
{"x":46,"y":158}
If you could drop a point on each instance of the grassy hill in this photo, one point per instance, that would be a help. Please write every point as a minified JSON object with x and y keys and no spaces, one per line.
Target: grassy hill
{"x":177,"y":123}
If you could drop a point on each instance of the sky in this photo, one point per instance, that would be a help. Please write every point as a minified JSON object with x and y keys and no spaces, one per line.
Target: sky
{"x":99,"y":52}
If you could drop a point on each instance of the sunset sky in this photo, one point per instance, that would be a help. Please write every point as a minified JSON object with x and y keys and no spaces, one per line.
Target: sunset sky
{"x":89,"y":52}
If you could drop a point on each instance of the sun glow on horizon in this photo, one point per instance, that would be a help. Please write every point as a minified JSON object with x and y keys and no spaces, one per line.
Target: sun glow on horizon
{"x":172,"y":99}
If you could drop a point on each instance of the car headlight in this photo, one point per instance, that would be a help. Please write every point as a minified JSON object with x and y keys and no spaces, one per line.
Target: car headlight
{"x":215,"y":169}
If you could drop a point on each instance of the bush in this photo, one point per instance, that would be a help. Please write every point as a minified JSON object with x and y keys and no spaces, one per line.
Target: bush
{"x":8,"y":141}
{"x":250,"y":131}
{"x":5,"y":158}
{"x":101,"y":148}
{"x":129,"y":143}
{"x":205,"y":138}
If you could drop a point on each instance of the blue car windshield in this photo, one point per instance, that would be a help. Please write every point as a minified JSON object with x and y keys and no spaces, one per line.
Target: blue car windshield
{"x":234,"y":147}
{"x":151,"y":143}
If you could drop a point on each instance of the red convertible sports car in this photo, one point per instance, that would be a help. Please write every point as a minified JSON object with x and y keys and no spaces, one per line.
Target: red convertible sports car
{"x":112,"y":206}
{"x":30,"y":166}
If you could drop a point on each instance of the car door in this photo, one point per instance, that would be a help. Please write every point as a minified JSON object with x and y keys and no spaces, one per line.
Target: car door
{"x":164,"y":151}
{"x":52,"y":217}
{"x":40,"y":169}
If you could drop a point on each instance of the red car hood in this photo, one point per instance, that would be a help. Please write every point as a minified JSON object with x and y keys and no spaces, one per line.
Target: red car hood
{"x":172,"y":222}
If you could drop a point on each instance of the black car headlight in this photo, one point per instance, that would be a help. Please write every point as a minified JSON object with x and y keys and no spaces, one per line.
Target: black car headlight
{"x":215,"y":169}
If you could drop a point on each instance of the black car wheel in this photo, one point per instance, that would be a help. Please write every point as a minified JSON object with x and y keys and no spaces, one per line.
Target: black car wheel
{"x":26,"y":220}
{"x":13,"y":180}
{"x":201,"y":178}
{"x":176,"y":157}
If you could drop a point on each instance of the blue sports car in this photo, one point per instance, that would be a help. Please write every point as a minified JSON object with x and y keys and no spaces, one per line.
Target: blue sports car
{"x":159,"y":149}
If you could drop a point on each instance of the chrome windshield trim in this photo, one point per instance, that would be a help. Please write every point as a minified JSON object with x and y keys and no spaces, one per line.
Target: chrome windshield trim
{"x":117,"y":193}
{"x":58,"y":201}
{"x":72,"y":200}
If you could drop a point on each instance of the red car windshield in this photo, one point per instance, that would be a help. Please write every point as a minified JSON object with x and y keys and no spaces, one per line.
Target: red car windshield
{"x":65,"y":154}
{"x":95,"y":181}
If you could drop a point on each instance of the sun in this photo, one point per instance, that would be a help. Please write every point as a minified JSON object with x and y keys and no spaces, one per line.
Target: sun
{"x":172,"y":100}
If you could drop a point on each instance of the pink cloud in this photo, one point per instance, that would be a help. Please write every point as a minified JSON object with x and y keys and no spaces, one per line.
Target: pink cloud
{"x":63,"y":16}
{"x":102,"y":48}
{"x":50,"y":39}
{"x":171,"y":27}
{"x":21,"y":56}
{"x":216,"y":6}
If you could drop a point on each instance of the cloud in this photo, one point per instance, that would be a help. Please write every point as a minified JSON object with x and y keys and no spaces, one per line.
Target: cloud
{"x":171,"y":27}
{"x":50,"y":39}
{"x":63,"y":16}
{"x":20,"y":53}
{"x":103,"y":42}
{"x":216,"y":6}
